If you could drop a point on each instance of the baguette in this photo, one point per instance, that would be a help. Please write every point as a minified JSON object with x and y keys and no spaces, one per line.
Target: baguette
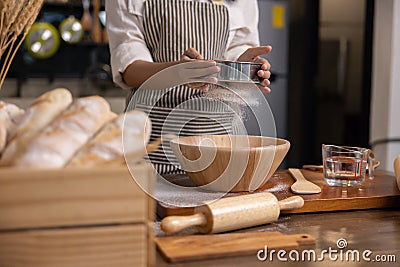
{"x":54,"y":147}
{"x":37,"y":116}
{"x":134,"y":126}
{"x":10,"y":117}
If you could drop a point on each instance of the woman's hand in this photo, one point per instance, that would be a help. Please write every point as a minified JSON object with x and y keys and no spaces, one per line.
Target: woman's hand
{"x":253,"y":55}
{"x":192,"y":55}
{"x":191,"y":70}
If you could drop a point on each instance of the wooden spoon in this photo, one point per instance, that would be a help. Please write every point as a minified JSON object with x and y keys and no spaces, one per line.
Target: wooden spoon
{"x":397,"y":170}
{"x":302,"y":186}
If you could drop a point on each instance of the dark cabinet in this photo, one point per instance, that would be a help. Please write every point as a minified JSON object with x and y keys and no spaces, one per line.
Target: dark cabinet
{"x":84,"y":60}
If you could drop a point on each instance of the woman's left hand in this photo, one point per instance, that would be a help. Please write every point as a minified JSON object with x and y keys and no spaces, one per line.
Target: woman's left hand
{"x":254,"y":55}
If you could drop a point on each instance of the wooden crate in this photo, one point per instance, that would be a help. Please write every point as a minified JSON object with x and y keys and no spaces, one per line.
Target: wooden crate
{"x":77,"y":217}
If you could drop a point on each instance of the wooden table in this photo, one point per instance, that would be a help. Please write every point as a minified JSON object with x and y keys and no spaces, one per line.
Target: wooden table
{"x":374,"y":230}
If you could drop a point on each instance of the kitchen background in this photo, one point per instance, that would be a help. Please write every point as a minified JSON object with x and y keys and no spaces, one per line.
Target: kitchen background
{"x":322,"y":65}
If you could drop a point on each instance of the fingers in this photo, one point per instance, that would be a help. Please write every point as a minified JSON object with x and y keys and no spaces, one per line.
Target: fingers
{"x":186,"y":59}
{"x":265,"y":63}
{"x":263,"y":86}
{"x":258,"y":51}
{"x":264,"y":89}
{"x":264,"y":74}
{"x":252,"y":53}
{"x":192,"y":53}
{"x":199,"y":64}
{"x":199,"y":71}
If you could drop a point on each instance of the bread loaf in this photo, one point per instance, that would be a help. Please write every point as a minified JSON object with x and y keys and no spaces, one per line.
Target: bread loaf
{"x":66,"y":134}
{"x":37,"y":116}
{"x":10,"y":117}
{"x":133,"y":126}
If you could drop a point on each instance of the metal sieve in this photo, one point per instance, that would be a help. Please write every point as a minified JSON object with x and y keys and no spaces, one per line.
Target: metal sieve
{"x":234,"y":71}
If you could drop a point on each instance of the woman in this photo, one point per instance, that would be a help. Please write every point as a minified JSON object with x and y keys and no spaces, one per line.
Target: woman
{"x":147,"y":37}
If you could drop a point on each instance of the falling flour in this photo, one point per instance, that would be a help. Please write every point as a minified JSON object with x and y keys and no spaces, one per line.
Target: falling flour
{"x":238,"y":96}
{"x":242,"y":94}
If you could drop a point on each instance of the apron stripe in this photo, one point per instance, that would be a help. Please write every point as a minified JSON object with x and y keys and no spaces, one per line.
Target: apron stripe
{"x":170,"y":28}
{"x":197,"y":105}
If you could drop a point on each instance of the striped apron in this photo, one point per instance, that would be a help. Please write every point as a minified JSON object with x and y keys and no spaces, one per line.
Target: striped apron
{"x":170,"y":28}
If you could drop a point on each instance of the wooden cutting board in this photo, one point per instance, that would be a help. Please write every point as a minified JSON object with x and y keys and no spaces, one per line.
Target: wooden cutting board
{"x":199,"y":247}
{"x":381,"y":192}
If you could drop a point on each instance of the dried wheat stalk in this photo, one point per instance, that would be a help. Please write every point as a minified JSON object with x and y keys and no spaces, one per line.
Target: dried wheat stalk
{"x":16,"y":18}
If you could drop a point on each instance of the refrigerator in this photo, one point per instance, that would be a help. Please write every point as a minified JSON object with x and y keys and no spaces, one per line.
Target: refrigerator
{"x":274,"y":30}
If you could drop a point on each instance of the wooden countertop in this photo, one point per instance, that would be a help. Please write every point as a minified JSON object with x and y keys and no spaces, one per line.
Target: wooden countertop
{"x":380,"y":192}
{"x":374,"y":230}
{"x":374,"y":227}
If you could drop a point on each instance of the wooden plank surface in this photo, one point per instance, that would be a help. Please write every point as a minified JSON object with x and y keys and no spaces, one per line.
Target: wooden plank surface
{"x":200,"y":247}
{"x":381,"y":192}
{"x":117,"y":245}
{"x":54,"y":198}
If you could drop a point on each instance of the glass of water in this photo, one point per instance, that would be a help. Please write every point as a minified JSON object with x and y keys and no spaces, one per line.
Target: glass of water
{"x":345,"y":165}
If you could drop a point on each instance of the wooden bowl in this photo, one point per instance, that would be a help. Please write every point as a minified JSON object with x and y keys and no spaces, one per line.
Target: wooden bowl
{"x":230,"y":163}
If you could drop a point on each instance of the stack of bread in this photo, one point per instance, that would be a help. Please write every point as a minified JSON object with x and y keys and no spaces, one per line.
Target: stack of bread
{"x":56,"y":131}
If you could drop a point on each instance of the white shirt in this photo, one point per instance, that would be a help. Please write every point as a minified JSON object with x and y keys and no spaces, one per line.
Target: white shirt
{"x":126,"y":40}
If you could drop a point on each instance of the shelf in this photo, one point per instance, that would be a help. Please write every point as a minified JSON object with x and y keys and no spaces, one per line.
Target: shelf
{"x":73,"y":3}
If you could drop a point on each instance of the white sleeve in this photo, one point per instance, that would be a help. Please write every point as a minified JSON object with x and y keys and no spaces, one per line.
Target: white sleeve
{"x":243,"y":27}
{"x":125,"y":34}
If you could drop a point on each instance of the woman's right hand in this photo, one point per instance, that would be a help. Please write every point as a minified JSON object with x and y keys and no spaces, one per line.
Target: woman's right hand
{"x":191,"y":70}
{"x":192,"y":55}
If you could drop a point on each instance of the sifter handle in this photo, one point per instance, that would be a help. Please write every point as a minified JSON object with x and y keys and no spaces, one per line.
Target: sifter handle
{"x":291,"y":203}
{"x":173,"y":224}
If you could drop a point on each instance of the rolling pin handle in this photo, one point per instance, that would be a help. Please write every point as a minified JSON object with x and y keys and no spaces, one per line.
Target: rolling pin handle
{"x":174,"y":224}
{"x":291,"y":203}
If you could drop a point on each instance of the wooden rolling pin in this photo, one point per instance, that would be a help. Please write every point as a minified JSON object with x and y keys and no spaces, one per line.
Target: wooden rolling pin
{"x":397,"y":170}
{"x":232,"y":213}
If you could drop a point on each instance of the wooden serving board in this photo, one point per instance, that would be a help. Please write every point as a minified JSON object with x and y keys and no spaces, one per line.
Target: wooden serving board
{"x":381,"y":192}
{"x":199,"y":247}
